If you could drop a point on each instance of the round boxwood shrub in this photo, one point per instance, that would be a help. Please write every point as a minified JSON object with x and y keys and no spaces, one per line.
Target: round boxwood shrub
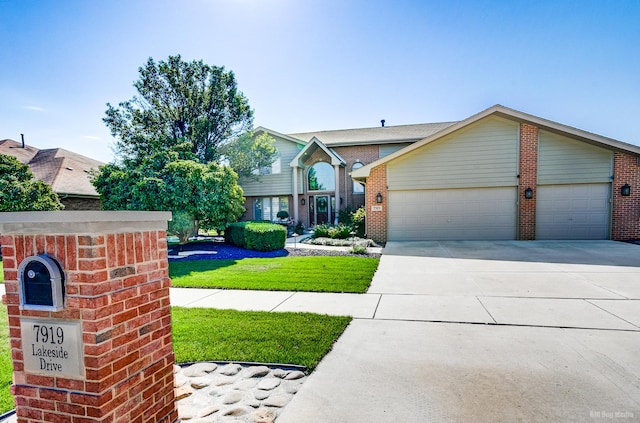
{"x":256,"y":236}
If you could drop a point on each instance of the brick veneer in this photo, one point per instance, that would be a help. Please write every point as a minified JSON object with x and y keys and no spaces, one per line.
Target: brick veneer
{"x":528,"y":179}
{"x":117,"y":286}
{"x":377,"y":220}
{"x":364,"y":154}
{"x":625,"y":219}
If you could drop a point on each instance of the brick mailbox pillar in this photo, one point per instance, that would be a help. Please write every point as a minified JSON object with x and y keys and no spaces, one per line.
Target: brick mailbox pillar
{"x":102,"y":351}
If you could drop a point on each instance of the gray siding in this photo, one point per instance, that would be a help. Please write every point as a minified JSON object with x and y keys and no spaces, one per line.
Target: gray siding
{"x":562,"y":160}
{"x":484,"y":154}
{"x":385,"y":150}
{"x":274,"y":184}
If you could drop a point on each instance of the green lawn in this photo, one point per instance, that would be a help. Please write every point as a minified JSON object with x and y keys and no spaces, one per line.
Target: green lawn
{"x":6,"y":366}
{"x":313,"y":274}
{"x":229,"y":335}
{"x":225,"y":335}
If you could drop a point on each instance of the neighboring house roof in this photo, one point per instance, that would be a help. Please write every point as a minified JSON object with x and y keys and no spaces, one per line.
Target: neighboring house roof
{"x":505,"y":112}
{"x":376,"y":135}
{"x":67,"y":172}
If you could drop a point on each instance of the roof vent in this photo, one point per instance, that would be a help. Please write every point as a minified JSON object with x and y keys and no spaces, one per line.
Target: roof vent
{"x":22,"y":136}
{"x":382,"y":122}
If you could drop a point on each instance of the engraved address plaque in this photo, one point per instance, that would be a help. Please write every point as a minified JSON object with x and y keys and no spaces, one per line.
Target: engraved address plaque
{"x":52,"y":347}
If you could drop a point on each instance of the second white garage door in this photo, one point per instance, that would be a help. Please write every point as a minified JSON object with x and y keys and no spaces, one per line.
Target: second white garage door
{"x":452,"y":214}
{"x":578,"y":211}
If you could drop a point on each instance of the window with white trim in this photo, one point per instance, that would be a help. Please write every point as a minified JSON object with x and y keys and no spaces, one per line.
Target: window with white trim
{"x":273,"y":169}
{"x":267,"y":208}
{"x":321,"y":177}
{"x":358,"y":188}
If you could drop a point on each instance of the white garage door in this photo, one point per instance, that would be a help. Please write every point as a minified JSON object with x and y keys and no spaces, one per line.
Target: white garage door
{"x":452,"y":214}
{"x":578,"y":211}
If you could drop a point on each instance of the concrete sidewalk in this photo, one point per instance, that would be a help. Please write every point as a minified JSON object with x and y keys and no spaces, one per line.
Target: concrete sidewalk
{"x":609,"y":311}
{"x":539,"y":305}
{"x":487,"y":332}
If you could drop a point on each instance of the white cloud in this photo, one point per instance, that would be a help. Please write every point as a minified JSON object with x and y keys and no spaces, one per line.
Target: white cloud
{"x":34,"y":108}
{"x":90,"y":137}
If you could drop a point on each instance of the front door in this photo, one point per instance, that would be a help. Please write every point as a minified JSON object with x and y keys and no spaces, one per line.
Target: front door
{"x":322,"y":209}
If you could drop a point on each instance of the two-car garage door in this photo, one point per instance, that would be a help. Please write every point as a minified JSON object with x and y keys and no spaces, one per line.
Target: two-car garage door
{"x":576,"y":211}
{"x":453,"y":214}
{"x":464,"y":186}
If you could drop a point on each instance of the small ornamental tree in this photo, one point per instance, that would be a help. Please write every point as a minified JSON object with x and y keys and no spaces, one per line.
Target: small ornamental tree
{"x":209,"y":194}
{"x":19,"y":191}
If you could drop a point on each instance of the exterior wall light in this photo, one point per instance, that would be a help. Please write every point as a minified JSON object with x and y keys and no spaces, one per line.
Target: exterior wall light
{"x":303,"y":201}
{"x":379,"y":198}
{"x":528,"y":193}
{"x":625,"y":190}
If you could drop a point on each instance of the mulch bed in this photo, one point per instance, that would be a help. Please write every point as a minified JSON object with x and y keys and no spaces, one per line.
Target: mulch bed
{"x":222,"y":251}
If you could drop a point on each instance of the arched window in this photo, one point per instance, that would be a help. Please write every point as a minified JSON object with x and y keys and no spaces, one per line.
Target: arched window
{"x":321,"y":177}
{"x":358,"y":188}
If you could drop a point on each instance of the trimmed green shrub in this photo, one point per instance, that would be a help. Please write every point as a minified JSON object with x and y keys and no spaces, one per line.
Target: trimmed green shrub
{"x":359,"y":221}
{"x":256,"y":236}
{"x":234,"y":234}
{"x":340,"y":231}
{"x":321,"y":231}
{"x":282,"y":214}
{"x":358,"y":249}
{"x":345,"y":216}
{"x":299,"y":229}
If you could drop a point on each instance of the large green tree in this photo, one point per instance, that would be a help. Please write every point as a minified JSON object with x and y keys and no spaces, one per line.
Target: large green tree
{"x":249,"y":153}
{"x":207,"y":194}
{"x":180,"y":105}
{"x":19,"y":191}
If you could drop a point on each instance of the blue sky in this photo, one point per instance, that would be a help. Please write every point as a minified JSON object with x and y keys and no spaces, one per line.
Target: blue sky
{"x":310,"y":65}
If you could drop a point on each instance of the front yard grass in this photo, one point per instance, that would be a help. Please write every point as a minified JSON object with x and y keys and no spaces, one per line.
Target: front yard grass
{"x":308,"y":273}
{"x":228,"y":335}
{"x":6,"y":366}
{"x":224,"y":335}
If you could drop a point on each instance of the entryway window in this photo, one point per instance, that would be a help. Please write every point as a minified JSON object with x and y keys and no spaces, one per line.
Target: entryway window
{"x":358,"y":188}
{"x":267,"y":208}
{"x":321,"y":177}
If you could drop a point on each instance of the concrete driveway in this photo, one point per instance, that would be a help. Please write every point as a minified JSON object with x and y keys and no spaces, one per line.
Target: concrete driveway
{"x":488,"y":332}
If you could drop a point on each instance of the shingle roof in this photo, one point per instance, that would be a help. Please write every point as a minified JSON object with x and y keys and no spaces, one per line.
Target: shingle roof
{"x":67,"y":172}
{"x":513,"y":114}
{"x":376,"y":135}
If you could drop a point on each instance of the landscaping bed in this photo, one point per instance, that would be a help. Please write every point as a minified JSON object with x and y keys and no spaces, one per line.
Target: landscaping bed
{"x":217,"y":250}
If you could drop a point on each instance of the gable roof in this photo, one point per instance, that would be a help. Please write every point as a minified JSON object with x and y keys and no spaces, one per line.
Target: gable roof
{"x":305,"y":152}
{"x":375,"y":135}
{"x":508,"y":113}
{"x":67,"y":172}
{"x":278,"y":134}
